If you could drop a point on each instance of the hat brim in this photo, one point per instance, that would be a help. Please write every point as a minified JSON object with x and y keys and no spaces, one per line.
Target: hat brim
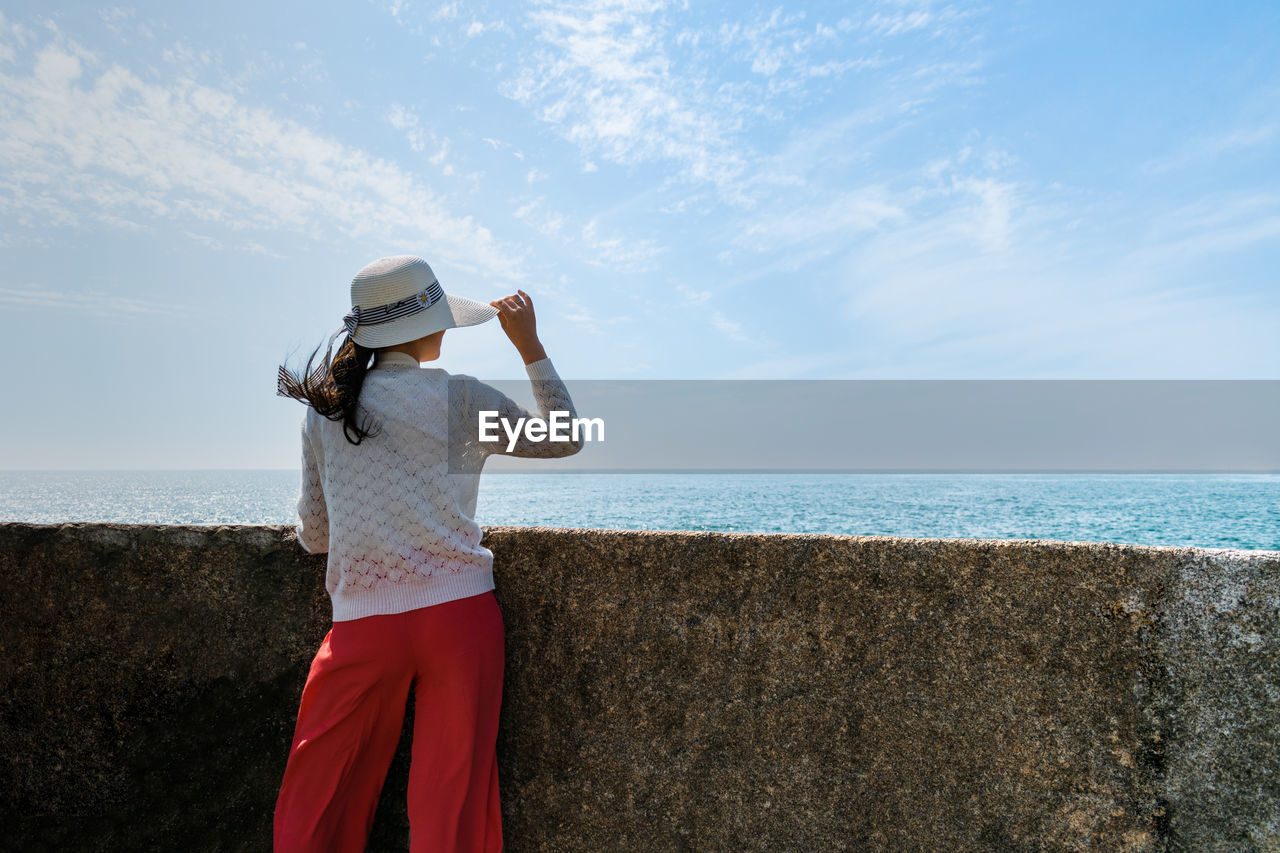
{"x":449,"y":313}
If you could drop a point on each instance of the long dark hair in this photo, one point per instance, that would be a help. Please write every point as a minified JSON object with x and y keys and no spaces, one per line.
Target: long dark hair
{"x":333,"y":387}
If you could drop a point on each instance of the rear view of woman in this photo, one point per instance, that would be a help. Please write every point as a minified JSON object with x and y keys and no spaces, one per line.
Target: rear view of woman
{"x":391,"y":466}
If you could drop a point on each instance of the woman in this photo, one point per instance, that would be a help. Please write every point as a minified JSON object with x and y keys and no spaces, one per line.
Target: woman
{"x":391,"y":465}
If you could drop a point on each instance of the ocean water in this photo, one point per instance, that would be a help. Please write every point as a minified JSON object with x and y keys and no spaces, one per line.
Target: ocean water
{"x":1206,"y":510}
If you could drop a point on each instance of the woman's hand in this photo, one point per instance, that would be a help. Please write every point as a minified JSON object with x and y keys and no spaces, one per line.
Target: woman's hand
{"x":515,"y":313}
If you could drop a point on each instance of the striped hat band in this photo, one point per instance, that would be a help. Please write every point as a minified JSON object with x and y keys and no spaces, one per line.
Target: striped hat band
{"x":420,"y":301}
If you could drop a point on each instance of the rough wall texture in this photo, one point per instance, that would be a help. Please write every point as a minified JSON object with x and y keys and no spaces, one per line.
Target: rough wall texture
{"x":674,"y":691}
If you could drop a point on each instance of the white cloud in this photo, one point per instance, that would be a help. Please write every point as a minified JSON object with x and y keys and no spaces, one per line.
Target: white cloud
{"x":900,"y":22}
{"x":838,"y":215}
{"x":592,"y":324}
{"x":628,"y":81}
{"x":536,"y":214}
{"x":86,"y":141}
{"x":692,"y":296}
{"x":619,"y":253}
{"x":903,"y":20}
{"x":989,"y":220}
{"x":701,"y":300}
{"x":1203,"y":150}
{"x":397,"y":8}
{"x":91,"y":301}
{"x":603,"y":77}
{"x":478,"y":28}
{"x":586,"y":242}
{"x":729,"y":328}
{"x":785,"y":50}
{"x":406,"y":121}
{"x":1040,"y":303}
{"x":124,"y":22}
{"x":446,"y":12}
{"x":203,"y":239}
{"x":258,"y":249}
{"x":419,"y":138}
{"x":1221,"y":223}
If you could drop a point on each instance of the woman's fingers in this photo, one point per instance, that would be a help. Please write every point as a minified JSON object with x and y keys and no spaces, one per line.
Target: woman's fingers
{"x":515,"y":305}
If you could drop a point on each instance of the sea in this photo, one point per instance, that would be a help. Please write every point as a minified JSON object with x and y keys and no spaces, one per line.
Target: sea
{"x":1205,"y":510}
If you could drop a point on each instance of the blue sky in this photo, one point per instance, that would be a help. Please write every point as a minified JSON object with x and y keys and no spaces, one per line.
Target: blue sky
{"x":882,"y":190}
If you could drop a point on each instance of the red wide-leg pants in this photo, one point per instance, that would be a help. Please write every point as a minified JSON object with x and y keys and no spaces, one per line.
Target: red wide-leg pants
{"x":349,"y":724}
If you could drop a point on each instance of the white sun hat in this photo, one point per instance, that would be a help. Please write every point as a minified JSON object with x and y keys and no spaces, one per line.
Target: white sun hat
{"x":399,"y":299}
{"x":395,"y":300}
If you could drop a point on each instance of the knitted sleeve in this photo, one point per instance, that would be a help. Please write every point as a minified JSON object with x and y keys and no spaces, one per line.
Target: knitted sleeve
{"x":551,"y":395}
{"x":313,"y":513}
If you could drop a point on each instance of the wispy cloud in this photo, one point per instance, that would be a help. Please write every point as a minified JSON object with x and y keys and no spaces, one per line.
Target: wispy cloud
{"x":692,"y":295}
{"x":700,"y":303}
{"x":420,"y":138}
{"x":398,"y":10}
{"x":90,"y":301}
{"x":587,"y":241}
{"x":729,"y":328}
{"x":1203,"y":150}
{"x":842,"y":214}
{"x":1221,"y":223}
{"x":1037,"y":302}
{"x":602,"y":75}
{"x":445,"y":12}
{"x":618,"y":253}
{"x":633,"y":82}
{"x":592,"y":324}
{"x":783,"y":52}
{"x":539,"y":216}
{"x":899,"y":18}
{"x":479,"y":28}
{"x":85,"y":140}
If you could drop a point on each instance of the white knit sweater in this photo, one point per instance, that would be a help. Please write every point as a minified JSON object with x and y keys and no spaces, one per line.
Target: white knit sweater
{"x":396,"y":518}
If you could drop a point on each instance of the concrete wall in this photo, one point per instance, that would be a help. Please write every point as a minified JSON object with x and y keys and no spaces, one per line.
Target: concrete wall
{"x":674,"y":691}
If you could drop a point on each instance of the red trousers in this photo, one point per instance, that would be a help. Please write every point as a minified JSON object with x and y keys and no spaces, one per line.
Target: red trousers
{"x":349,"y":723}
